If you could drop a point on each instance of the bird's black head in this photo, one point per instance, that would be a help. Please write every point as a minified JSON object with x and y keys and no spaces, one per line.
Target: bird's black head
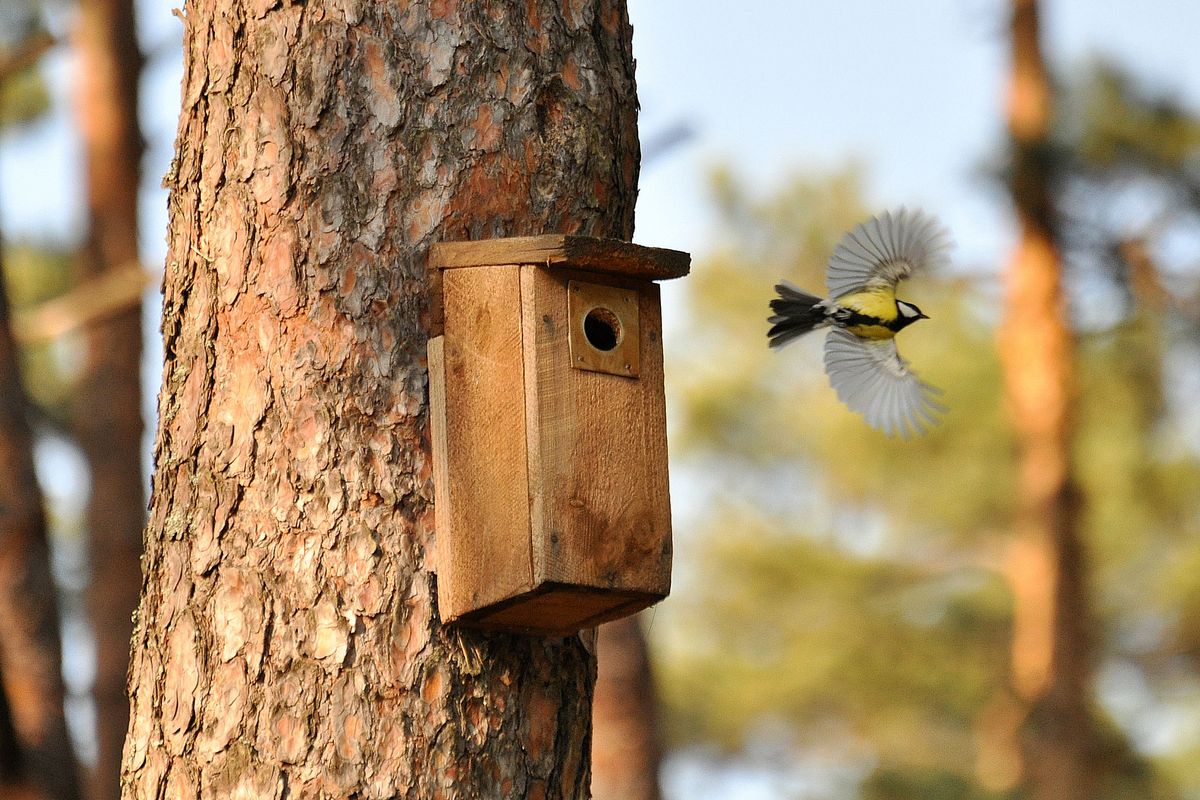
{"x":907,"y":314}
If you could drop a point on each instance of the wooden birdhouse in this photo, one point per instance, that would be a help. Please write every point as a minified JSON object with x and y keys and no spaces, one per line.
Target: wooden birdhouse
{"x":549,"y":431}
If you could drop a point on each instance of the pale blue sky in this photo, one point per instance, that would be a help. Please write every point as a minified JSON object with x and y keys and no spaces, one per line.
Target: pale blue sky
{"x":912,"y":90}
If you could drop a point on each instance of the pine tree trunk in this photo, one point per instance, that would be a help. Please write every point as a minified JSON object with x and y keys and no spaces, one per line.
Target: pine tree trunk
{"x":1051,"y":649}
{"x":626,"y":751}
{"x":288,"y":639}
{"x":36,"y":759}
{"x":108,"y":418}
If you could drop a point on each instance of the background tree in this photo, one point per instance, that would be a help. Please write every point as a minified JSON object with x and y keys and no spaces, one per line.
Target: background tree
{"x":626,"y":742}
{"x":1052,"y":658}
{"x":107,"y":418}
{"x":1127,"y":190}
{"x":321,"y":150}
{"x":36,"y":757}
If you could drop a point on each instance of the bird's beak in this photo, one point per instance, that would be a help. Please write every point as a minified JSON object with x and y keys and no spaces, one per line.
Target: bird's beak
{"x":922,"y":315}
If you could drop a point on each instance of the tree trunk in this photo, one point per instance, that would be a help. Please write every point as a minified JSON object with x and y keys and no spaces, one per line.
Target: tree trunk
{"x":288,"y":640}
{"x":108,"y":419}
{"x":625,"y":740}
{"x":36,"y":760}
{"x":1051,"y":658}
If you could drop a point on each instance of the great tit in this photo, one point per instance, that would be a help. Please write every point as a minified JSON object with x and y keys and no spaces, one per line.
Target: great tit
{"x":864,"y":316}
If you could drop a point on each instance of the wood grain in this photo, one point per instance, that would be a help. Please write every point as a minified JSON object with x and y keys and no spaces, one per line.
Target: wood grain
{"x":561,"y":251}
{"x":486,"y":558}
{"x":621,"y":306}
{"x":552,"y":251}
{"x":559,"y":609}
{"x":437,"y":315}
{"x":598,"y":468}
{"x":435,"y":350}
{"x":555,"y":511}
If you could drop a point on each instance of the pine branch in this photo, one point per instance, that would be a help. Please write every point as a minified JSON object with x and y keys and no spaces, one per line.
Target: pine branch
{"x":25,"y":54}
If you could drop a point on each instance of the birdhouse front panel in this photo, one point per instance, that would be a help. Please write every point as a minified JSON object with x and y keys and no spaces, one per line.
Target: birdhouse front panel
{"x":549,"y":428}
{"x":602,"y":507}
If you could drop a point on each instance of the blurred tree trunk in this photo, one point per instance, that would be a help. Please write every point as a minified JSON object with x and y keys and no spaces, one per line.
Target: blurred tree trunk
{"x":288,"y":641}
{"x":626,"y":749}
{"x":1051,"y":658}
{"x":108,"y":418}
{"x":36,"y":759}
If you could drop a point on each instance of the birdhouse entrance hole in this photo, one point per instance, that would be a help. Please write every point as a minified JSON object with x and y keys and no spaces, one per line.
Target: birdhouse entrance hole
{"x":604,"y":334}
{"x":602,"y":329}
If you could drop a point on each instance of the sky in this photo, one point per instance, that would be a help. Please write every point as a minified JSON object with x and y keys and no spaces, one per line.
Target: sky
{"x":909,"y":90}
{"x":912,"y":91}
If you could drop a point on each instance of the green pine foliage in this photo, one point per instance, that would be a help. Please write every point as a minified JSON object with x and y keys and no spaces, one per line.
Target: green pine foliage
{"x":34,"y":273}
{"x":24,"y":97}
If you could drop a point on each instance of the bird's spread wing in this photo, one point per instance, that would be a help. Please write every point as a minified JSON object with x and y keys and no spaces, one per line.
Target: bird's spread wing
{"x":886,"y":249}
{"x":872,"y":379}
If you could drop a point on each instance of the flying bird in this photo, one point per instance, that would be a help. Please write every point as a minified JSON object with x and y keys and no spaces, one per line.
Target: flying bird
{"x":863,"y":316}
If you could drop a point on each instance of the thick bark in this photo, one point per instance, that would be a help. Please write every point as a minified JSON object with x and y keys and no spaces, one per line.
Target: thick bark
{"x":36,"y":760}
{"x":288,"y":638}
{"x":626,"y":750}
{"x":1051,"y":657}
{"x":108,"y":420}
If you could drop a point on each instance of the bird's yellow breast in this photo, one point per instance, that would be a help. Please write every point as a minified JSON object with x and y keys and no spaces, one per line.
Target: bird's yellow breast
{"x":878,"y":303}
{"x":871,"y":331}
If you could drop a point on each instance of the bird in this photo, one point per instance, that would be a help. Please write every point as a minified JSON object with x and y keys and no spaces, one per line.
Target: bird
{"x":863,"y":316}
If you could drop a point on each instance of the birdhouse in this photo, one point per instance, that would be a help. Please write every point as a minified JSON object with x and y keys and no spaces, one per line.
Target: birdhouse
{"x":549,"y":431}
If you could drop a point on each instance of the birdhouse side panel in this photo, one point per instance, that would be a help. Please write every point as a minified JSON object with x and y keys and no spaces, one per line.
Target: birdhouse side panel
{"x":598,"y":452}
{"x":486,"y":552}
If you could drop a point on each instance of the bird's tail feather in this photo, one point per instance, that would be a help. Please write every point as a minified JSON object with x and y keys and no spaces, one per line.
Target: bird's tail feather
{"x":796,"y":313}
